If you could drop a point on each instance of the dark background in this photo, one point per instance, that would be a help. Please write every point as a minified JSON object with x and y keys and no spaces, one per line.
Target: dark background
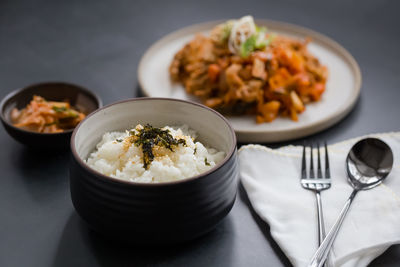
{"x":98,"y":44}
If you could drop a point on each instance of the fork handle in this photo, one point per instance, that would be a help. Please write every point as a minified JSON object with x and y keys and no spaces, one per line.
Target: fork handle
{"x":321,"y":223}
{"x":320,"y":255}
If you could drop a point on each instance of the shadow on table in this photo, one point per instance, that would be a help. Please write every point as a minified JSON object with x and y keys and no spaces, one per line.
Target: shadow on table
{"x":139,"y":91}
{"x":80,"y":246}
{"x":41,"y":170}
{"x":264,"y":227}
{"x":390,"y":258}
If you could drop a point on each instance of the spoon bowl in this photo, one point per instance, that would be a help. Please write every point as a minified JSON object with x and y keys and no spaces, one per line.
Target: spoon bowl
{"x":368,"y":163}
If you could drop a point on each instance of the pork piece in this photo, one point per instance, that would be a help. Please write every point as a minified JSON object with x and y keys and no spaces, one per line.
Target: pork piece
{"x":258,"y":70}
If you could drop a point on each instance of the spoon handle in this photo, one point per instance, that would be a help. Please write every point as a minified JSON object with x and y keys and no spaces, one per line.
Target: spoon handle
{"x":321,"y":254}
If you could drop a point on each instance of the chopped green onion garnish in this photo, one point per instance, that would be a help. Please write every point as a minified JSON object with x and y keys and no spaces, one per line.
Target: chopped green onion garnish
{"x":261,"y":29}
{"x":248,"y":46}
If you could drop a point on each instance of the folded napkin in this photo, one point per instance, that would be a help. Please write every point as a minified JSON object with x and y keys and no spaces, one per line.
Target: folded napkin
{"x":271,"y":179}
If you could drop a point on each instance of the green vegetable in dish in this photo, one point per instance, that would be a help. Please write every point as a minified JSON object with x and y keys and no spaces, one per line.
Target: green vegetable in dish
{"x":255,"y":42}
{"x":59,"y":109}
{"x":248,"y":46}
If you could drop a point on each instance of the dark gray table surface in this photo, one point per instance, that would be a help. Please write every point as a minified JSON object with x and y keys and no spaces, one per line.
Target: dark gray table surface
{"x":98,"y":44}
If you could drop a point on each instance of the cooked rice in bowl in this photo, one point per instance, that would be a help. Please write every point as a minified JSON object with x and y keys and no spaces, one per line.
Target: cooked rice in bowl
{"x":152,"y":155}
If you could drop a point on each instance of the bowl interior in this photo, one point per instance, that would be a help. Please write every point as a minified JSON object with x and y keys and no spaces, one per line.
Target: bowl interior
{"x":78,"y":97}
{"x":211,"y":128}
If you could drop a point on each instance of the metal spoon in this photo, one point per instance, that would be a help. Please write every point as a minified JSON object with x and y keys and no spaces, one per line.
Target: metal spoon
{"x":368,"y":163}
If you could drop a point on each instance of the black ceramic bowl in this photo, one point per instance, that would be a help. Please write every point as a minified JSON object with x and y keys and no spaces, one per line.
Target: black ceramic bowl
{"x":153,"y":213}
{"x":79,"y":97}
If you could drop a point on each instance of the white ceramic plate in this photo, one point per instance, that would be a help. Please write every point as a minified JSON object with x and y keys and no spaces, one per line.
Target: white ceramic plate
{"x":342,"y":90}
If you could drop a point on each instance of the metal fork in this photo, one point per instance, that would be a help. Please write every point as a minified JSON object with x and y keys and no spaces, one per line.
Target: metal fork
{"x":316,"y":184}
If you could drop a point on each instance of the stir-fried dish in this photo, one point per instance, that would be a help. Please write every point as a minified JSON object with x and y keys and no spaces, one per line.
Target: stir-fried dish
{"x":46,"y":116}
{"x":244,"y":69}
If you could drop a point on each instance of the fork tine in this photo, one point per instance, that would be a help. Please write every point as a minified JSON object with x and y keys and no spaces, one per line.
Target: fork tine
{"x":303,"y":163}
{"x":319,"y":172}
{"x":327,"y":170}
{"x":311,"y":162}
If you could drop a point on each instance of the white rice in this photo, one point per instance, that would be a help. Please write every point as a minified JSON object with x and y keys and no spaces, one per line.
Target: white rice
{"x":124,"y":160}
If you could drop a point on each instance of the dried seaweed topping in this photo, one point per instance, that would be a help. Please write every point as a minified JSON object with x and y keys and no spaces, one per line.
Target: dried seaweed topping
{"x":148,"y":137}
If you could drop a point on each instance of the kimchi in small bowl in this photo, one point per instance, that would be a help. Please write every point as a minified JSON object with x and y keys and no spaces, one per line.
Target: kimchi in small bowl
{"x":44,"y":115}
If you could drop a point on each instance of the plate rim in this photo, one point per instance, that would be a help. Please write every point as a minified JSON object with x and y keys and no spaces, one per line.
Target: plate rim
{"x":262,"y":136}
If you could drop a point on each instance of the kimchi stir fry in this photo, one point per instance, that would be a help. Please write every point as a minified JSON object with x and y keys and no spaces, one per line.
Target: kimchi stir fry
{"x":46,"y":116}
{"x":244,"y":69}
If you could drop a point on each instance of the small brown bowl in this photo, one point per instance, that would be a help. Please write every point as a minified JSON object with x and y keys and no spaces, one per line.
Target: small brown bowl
{"x":154,"y":213}
{"x":79,"y":97}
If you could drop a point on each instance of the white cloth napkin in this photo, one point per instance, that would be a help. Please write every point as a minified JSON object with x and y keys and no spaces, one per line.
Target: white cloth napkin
{"x":271,"y":179}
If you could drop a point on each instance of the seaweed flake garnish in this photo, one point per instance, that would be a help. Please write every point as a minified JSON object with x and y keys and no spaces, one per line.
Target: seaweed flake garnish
{"x":206,"y":162}
{"x":149,"y":136}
